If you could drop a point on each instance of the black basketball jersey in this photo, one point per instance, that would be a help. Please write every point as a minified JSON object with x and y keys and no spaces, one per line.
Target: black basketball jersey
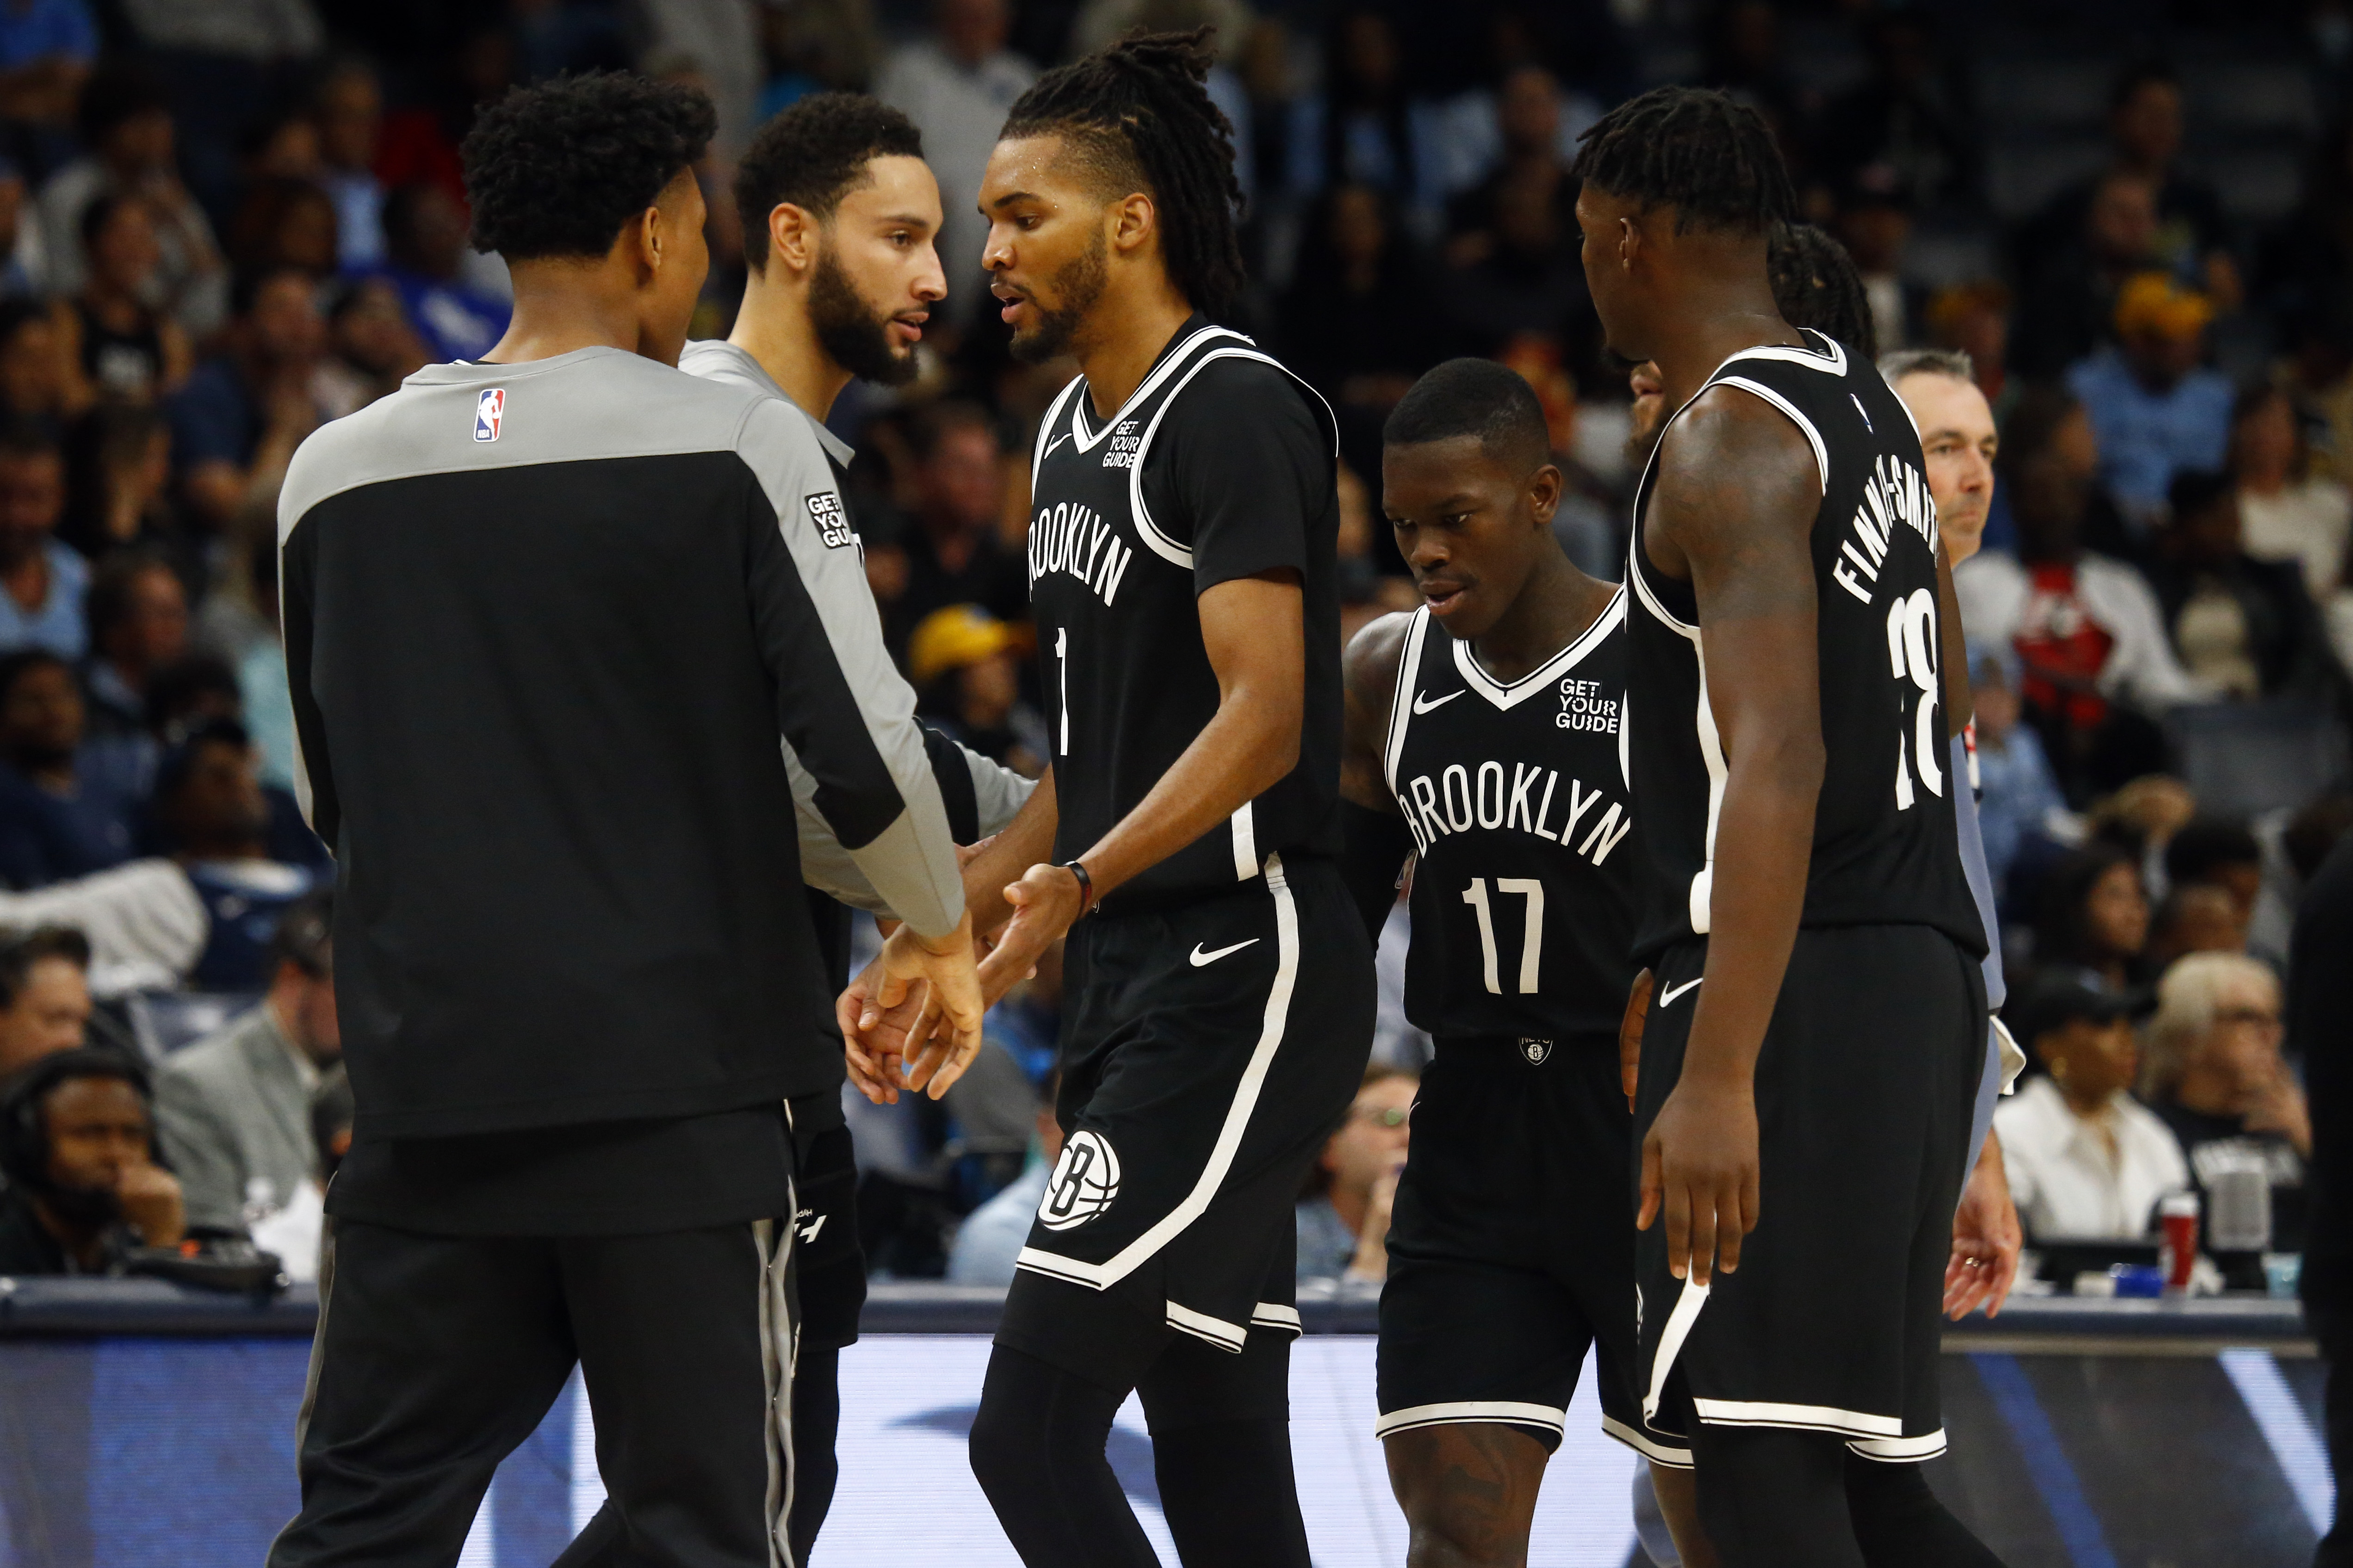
{"x":1885,"y":847}
{"x":1220,"y":465}
{"x":1519,"y":802}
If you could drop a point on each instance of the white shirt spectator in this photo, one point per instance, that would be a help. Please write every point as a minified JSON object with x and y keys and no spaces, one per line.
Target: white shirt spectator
{"x":1998,"y":599}
{"x":722,"y":37}
{"x":2305,"y":521}
{"x":959,"y":108}
{"x":2063,"y":1176}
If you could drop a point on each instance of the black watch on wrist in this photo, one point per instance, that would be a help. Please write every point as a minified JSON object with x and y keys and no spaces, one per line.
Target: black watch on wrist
{"x":1086,"y":887}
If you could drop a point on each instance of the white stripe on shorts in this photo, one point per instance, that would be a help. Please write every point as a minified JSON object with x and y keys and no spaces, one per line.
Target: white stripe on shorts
{"x":1104,"y":1276}
{"x":1457,"y":1412}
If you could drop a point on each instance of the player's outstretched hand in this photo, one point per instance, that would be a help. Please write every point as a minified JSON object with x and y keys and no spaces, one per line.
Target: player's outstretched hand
{"x":1630,"y":1035}
{"x":1985,"y":1239}
{"x":1046,"y":902}
{"x":873,"y":1038}
{"x":1699,"y":1171}
{"x":946,"y":1035}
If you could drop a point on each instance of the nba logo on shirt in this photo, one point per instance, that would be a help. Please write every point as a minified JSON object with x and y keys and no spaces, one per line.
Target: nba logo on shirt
{"x":489,"y":411}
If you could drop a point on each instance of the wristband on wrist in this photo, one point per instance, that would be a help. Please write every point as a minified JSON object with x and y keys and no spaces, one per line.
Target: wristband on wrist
{"x":1086,"y":887}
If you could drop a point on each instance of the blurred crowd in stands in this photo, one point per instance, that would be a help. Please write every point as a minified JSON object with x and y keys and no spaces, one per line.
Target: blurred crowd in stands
{"x":223,"y":222}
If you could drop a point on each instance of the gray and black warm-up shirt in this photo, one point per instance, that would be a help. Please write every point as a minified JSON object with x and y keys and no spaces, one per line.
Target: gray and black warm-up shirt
{"x":820,"y":465}
{"x":545,"y":627}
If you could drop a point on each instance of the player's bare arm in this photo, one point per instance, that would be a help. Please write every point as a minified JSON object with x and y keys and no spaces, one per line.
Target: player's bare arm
{"x":1368,"y":675}
{"x":1733,"y":510}
{"x":1254,"y":629}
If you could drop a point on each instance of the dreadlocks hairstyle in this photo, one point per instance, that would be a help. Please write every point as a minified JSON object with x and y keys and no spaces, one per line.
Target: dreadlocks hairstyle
{"x":1816,"y":285}
{"x":1143,"y":118}
{"x":557,"y":169}
{"x":1694,"y":149}
{"x":812,"y":156}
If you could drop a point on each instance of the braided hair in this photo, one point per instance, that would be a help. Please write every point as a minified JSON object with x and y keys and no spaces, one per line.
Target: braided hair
{"x":1816,"y":285}
{"x":1695,"y":150}
{"x":1140,"y":114}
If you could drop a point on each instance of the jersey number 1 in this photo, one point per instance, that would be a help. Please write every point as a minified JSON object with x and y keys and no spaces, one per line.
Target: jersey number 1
{"x":1912,"y":659}
{"x":1062,"y":670}
{"x":1531,"y":944}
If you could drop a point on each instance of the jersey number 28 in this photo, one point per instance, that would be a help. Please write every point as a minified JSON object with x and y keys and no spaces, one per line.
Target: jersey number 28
{"x":1912,"y":659}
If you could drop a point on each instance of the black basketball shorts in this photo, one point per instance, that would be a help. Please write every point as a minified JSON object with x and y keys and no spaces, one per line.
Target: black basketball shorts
{"x":1512,"y":1245}
{"x":1209,"y":1051}
{"x":1864,"y":1086}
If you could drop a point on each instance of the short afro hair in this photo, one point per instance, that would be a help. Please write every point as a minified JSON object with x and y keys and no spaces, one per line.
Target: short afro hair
{"x":812,"y":155}
{"x":1473,"y":397}
{"x":557,"y":169}
{"x":1711,"y":159}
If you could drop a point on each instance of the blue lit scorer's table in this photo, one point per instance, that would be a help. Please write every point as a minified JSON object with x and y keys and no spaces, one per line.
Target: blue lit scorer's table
{"x":143,"y":1424}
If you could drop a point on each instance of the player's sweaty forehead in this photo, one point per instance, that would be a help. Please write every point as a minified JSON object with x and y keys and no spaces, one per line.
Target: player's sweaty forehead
{"x":1063,"y":169}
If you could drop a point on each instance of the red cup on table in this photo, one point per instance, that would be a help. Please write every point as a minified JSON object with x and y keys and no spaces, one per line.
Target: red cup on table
{"x":2177,"y":1214}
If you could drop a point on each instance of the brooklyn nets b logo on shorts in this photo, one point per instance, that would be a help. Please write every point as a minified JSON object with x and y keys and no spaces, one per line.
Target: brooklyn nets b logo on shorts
{"x":1086,"y":1180}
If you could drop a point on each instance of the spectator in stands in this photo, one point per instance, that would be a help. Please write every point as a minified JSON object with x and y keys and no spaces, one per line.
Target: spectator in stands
{"x":2287,"y":511}
{"x":2084,"y":1159}
{"x":38,"y":386}
{"x":1530,"y":282}
{"x":993,"y":1235}
{"x":2155,"y":408}
{"x":285,"y":221}
{"x":2193,"y":237}
{"x":2217,"y":853}
{"x":232,"y":1111}
{"x":78,"y":1146}
{"x":2094,"y":920}
{"x":45,"y":1003}
{"x":1527,"y":125}
{"x":954,"y":553}
{"x":46,"y":580}
{"x":347,"y":107}
{"x":212,"y":818}
{"x":425,"y":250}
{"x":53,"y":824}
{"x":2242,"y":627}
{"x":126,"y":123}
{"x":2194,"y":917}
{"x":2070,"y":278}
{"x":138,"y":624}
{"x":1343,"y":1218}
{"x":371,"y":347}
{"x":2094,"y":662}
{"x":967,"y":677}
{"x":119,"y":487}
{"x":1973,"y":318}
{"x":24,"y":260}
{"x":128,"y":350}
{"x":2216,"y":1076}
{"x":2320,"y":1032}
{"x":240,"y":416}
{"x":956,"y":83}
{"x":46,"y":49}
{"x":1364,"y":127}
{"x":1902,"y":118}
{"x":1874,"y":224}
{"x":1357,"y":320}
{"x":2020,"y":806}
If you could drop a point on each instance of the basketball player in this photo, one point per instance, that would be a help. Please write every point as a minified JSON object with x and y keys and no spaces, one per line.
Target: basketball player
{"x":839,"y":212}
{"x":1818,"y":1024}
{"x":1484,"y":736}
{"x":1182,"y":569}
{"x":548,"y":617}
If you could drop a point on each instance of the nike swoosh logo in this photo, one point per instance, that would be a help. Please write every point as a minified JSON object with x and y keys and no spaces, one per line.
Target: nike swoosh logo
{"x":1671,"y":992}
{"x":1422,"y":703}
{"x":1203,"y":960}
{"x":1052,"y":444}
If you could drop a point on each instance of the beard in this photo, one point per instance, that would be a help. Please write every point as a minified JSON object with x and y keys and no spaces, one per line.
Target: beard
{"x":852,"y":331}
{"x":1078,"y":284}
{"x":90,"y":1208}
